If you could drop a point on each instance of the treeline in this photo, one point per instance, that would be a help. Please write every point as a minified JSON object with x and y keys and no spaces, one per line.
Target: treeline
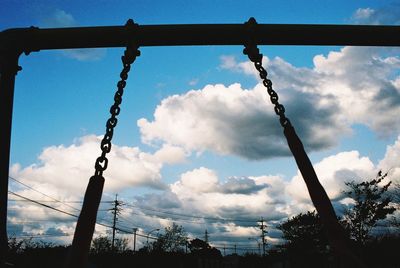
{"x":370,"y":221}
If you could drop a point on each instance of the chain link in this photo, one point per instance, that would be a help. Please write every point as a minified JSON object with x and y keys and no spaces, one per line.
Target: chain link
{"x":130,"y":54}
{"x":252,"y":51}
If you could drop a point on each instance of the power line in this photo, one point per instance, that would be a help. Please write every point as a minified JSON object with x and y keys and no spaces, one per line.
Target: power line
{"x":52,"y":201}
{"x":44,"y":205}
{"x":41,"y":203}
{"x":53,"y":208}
{"x":42,"y":235}
{"x":119,"y":228}
{"x":192,"y":216}
{"x":33,"y":189}
{"x":142,"y":208}
{"x":71,"y":214}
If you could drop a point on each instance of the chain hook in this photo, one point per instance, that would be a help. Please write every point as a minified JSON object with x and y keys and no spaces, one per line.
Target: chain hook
{"x":130,"y":54}
{"x":254,"y":55}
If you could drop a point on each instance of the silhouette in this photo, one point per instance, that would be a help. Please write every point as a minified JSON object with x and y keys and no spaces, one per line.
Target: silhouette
{"x":14,"y":42}
{"x":335,"y":232}
{"x":87,"y":218}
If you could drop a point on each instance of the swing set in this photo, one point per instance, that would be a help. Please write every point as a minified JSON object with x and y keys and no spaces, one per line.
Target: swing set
{"x":14,"y":42}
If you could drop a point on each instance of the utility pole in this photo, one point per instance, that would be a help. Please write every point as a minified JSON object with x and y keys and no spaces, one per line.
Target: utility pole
{"x":263,"y":228}
{"x":206,"y":236}
{"x":235,"y":248}
{"x":134,"y":239}
{"x":115,"y":211}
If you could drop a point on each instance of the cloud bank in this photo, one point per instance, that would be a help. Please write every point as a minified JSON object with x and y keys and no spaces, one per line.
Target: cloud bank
{"x":351,"y":86}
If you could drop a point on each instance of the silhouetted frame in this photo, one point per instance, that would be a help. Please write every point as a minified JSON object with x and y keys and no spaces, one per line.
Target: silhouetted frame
{"x":14,"y":42}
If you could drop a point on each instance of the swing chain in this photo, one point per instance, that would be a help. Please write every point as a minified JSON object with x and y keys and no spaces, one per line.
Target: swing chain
{"x":130,"y":54}
{"x":252,"y":51}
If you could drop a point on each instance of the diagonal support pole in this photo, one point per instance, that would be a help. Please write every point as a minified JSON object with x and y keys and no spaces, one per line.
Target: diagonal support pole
{"x":335,"y":232}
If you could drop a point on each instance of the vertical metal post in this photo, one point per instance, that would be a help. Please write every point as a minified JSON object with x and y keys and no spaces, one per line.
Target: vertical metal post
{"x":8,"y":70}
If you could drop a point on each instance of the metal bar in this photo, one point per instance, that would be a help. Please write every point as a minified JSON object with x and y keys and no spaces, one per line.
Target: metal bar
{"x":8,"y":70}
{"x":33,"y":39}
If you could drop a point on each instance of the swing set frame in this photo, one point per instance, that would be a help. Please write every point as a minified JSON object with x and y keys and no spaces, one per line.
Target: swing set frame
{"x":14,"y":42}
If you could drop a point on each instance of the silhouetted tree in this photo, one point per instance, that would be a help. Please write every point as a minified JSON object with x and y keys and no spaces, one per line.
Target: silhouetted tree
{"x":15,"y":245}
{"x":174,"y":239}
{"x":395,"y":220}
{"x":196,"y":245}
{"x":202,"y":248}
{"x":102,"y":244}
{"x":304,"y":232}
{"x":371,"y":205}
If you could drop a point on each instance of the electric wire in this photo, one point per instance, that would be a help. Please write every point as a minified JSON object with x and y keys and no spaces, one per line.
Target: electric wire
{"x":191,"y":216}
{"x":143,"y":208}
{"x":33,"y":189}
{"x":120,"y":228}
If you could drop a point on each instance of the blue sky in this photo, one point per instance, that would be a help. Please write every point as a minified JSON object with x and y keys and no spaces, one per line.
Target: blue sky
{"x":195,"y":134}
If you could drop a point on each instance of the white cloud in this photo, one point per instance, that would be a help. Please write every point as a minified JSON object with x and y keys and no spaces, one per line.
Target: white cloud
{"x":229,"y":62}
{"x":361,"y":81}
{"x":169,"y":154}
{"x":232,"y":120}
{"x":390,"y":163}
{"x":199,"y":180}
{"x":333,"y":172}
{"x":355,"y":85}
{"x":388,"y":15}
{"x":200,"y":192}
{"x":246,"y":198}
{"x":65,"y":171}
{"x":59,"y":18}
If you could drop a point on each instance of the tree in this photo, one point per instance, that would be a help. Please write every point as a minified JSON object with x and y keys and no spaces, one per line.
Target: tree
{"x":304,"y":232}
{"x":196,"y":245}
{"x":103,"y":244}
{"x":200,"y":247}
{"x":371,"y":205}
{"x":15,"y":246}
{"x":174,"y":239}
{"x":395,"y":221}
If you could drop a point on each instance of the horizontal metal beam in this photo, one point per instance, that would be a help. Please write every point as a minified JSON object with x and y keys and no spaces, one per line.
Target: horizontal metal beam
{"x":34,"y":39}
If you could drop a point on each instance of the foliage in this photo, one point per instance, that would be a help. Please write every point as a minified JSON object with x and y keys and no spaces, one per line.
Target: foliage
{"x":196,"y":245}
{"x":371,"y":205}
{"x":15,"y":245}
{"x":103,"y":244}
{"x":200,"y":247}
{"x":174,"y":239}
{"x":304,"y":232}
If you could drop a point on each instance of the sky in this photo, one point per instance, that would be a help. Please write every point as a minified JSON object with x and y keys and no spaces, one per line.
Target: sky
{"x":197,"y":141}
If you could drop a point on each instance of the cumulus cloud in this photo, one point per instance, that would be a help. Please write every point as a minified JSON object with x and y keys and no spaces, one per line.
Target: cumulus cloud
{"x":64,"y":171}
{"x":355,"y":85}
{"x":390,"y":162}
{"x":233,"y":120}
{"x":243,"y":198}
{"x":68,"y":168}
{"x":238,"y":202}
{"x":361,"y":81}
{"x":388,"y":15}
{"x":201,"y":200}
{"x":241,"y":185}
{"x":333,"y":172}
